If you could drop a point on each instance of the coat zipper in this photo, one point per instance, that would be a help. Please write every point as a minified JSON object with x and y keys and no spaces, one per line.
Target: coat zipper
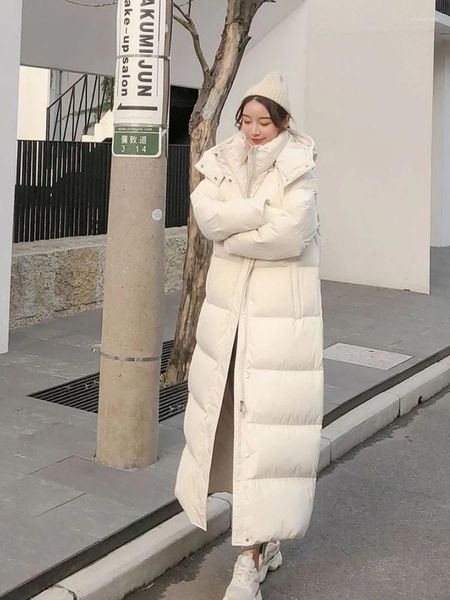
{"x":238,"y":481}
{"x":242,"y":407}
{"x":251,"y":160}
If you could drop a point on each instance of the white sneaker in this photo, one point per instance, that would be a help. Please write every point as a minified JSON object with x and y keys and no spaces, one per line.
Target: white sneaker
{"x":270,"y":559}
{"x":245,"y":582}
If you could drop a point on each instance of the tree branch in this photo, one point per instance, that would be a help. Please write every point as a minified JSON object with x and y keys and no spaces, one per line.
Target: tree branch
{"x":189,"y":24}
{"x":187,"y":3}
{"x":182,"y":22}
{"x":186,"y":15}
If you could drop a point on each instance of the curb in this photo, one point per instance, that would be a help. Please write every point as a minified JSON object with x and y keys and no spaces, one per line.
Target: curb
{"x":142,"y":560}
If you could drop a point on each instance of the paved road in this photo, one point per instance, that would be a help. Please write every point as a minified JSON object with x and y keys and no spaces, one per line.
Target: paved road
{"x":380,"y":526}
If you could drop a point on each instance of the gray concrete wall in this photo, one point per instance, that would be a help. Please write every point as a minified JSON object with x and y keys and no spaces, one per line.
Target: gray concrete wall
{"x":10,"y":14}
{"x":51,"y":35}
{"x":65,"y":276}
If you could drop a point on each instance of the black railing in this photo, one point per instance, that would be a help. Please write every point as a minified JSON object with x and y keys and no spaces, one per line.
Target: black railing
{"x":177,"y":192}
{"x":443,"y":6}
{"x":62,"y":189}
{"x":80,"y":107}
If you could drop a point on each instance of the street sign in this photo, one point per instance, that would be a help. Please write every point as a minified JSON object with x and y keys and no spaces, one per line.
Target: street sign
{"x":137,"y":140}
{"x":140,"y":68}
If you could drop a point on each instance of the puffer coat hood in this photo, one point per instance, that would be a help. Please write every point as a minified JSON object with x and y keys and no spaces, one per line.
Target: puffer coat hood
{"x":292,"y":150}
{"x":259,"y":206}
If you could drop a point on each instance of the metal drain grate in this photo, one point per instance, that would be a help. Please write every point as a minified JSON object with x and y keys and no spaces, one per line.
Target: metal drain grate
{"x":83,"y":393}
{"x":165,"y":354}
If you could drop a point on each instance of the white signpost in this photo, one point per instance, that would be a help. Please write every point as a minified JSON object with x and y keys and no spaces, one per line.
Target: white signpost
{"x":140,"y":76}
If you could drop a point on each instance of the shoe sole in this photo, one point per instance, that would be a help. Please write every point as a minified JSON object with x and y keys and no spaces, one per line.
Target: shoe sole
{"x":272,"y":565}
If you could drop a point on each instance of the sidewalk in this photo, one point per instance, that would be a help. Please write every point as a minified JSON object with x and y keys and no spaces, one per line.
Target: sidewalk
{"x":55,"y":501}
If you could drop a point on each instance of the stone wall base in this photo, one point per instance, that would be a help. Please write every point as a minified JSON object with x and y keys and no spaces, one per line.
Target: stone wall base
{"x":65,"y":276}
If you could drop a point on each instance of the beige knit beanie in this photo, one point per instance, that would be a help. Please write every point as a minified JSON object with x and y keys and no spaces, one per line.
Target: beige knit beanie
{"x":273,"y":87}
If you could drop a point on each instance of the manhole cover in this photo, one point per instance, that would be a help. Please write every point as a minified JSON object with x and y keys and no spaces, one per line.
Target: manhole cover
{"x":367,"y":357}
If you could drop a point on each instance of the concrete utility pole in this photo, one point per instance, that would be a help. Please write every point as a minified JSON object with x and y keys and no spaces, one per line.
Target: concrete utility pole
{"x":132,"y":336}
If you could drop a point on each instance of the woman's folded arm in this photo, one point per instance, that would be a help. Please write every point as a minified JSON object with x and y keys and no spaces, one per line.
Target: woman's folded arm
{"x":286,"y":233}
{"x":218,"y":220}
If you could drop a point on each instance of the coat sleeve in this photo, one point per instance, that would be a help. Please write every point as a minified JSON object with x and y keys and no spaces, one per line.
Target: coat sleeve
{"x":217,"y":220}
{"x":287,"y":231}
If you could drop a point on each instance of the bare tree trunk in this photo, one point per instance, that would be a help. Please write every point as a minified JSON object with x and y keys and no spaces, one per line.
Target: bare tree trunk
{"x":203,"y":128}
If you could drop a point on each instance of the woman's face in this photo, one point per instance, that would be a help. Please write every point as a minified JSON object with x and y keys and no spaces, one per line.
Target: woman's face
{"x":257,"y":124}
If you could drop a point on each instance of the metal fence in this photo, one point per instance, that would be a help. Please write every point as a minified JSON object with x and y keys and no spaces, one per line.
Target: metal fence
{"x":79,"y":108}
{"x":177,"y":194}
{"x":62,"y":189}
{"x":443,"y":6}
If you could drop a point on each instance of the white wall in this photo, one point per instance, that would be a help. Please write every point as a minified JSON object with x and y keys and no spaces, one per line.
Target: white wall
{"x":369,"y":107}
{"x":34,"y":89}
{"x":10,"y":13}
{"x":440,"y":218}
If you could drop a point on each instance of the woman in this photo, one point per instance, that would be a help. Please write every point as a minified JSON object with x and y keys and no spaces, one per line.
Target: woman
{"x":254,"y":413}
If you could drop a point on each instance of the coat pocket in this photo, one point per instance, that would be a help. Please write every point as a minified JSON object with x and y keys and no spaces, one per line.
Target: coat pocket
{"x":296,"y":293}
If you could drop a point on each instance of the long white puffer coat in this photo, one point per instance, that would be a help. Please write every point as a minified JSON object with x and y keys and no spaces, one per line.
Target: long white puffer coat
{"x":259,"y":206}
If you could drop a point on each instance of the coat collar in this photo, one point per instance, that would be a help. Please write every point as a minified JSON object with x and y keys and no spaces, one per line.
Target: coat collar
{"x":292,"y":153}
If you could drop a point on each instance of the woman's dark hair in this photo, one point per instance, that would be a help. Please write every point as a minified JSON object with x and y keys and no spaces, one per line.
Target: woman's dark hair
{"x":277,"y":113}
